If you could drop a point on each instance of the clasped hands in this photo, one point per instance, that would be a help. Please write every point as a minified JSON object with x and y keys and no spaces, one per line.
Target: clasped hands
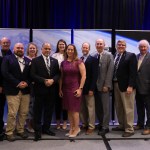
{"x":22,"y":85}
{"x":48,"y":82}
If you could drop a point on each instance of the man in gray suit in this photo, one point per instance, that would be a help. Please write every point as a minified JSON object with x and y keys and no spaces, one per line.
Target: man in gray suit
{"x":143,"y":87}
{"x":104,"y":85}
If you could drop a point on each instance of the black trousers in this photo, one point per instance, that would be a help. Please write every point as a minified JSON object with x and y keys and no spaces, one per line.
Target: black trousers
{"x":2,"y":105}
{"x":43,"y":109}
{"x":99,"y":107}
{"x":142,"y":104}
{"x":58,"y":107}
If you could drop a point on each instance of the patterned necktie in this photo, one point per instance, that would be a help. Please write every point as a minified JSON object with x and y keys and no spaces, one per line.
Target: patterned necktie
{"x":116,"y":63}
{"x":82,"y":58}
{"x":48,"y":65}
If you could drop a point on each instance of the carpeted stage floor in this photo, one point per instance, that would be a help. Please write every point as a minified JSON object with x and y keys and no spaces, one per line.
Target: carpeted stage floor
{"x":111,"y":141}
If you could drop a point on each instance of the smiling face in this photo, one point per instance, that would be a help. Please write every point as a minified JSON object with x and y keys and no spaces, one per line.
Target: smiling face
{"x":143,"y":47}
{"x":85,"y":48}
{"x":5,"y":44}
{"x":121,"y":46}
{"x":46,"y":49}
{"x":61,"y":47}
{"x":32,"y":51}
{"x":100,"y":45}
{"x":19,"y":49}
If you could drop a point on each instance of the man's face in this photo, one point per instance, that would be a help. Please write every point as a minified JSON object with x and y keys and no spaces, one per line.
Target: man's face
{"x":100,"y":45}
{"x":143,"y":48}
{"x":19,"y":49}
{"x":46,"y":49}
{"x":85,"y":48}
{"x":5,"y":44}
{"x":121,"y":47}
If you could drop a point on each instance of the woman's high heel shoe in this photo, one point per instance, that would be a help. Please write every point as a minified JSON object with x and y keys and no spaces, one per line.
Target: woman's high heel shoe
{"x":69,"y":133}
{"x":75,"y":134}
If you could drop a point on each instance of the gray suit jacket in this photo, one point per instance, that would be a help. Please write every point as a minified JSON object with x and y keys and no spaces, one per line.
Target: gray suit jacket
{"x":143,"y":76}
{"x":106,"y":69}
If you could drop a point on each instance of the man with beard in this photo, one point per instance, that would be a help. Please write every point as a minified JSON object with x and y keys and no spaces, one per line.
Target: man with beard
{"x":5,"y":50}
{"x":15,"y":71}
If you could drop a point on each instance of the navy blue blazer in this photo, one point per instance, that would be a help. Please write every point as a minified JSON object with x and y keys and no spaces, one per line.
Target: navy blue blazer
{"x":12,"y":75}
{"x":39,"y":73}
{"x":91,"y":65}
{"x":127,"y":71}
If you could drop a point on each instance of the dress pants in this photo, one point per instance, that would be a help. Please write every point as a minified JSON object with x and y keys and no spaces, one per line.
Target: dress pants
{"x":43,"y":109}
{"x":124,"y":104}
{"x":142,"y":104}
{"x":18,"y":105}
{"x":102,"y":106}
{"x":87,"y":113}
{"x":2,"y":105}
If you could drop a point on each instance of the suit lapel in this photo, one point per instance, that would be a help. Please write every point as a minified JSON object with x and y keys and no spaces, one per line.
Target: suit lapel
{"x":15,"y":60}
{"x":144,"y":60}
{"x":122,"y":59}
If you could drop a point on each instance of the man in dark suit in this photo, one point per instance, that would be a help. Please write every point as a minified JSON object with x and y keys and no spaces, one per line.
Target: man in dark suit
{"x":124,"y":88}
{"x":45,"y":73}
{"x":5,"y":50}
{"x":143,"y":87}
{"x":16,"y":74}
{"x":87,"y":113}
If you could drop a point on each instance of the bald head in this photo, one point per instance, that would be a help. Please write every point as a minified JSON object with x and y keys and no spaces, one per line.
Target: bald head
{"x":19,"y":49}
{"x":46,"y":49}
{"x":5,"y":43}
{"x":100,"y":45}
{"x":143,"y":46}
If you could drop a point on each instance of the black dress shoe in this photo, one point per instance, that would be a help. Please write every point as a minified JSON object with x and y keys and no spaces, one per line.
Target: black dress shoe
{"x":37,"y":136}
{"x":103,"y":131}
{"x":1,"y":136}
{"x":23,"y":135}
{"x":49,"y":132}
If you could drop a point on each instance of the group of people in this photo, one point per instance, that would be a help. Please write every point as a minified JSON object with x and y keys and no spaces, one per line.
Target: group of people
{"x":76,"y":88}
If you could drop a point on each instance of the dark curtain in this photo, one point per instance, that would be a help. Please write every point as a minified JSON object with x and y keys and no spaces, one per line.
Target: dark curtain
{"x":77,"y":14}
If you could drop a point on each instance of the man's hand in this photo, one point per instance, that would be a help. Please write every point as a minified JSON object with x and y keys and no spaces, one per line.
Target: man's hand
{"x":49,"y":82}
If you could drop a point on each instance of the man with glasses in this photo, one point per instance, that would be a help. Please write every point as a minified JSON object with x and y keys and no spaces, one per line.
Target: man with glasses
{"x":125,"y":65}
{"x":5,"y":50}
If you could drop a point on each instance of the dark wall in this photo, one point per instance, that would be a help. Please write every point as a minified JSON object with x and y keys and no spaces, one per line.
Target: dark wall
{"x":78,"y":14}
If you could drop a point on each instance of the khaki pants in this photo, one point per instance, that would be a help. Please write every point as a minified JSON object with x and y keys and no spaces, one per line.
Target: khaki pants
{"x":87,"y":113}
{"x":18,"y":105}
{"x":124,"y":104}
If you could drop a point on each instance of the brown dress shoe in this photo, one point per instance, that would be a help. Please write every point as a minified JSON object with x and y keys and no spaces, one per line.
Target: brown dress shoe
{"x":10,"y":138}
{"x":89,"y":131}
{"x":146,"y":132}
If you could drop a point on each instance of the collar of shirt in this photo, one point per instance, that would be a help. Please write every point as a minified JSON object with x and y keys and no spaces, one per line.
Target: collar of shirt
{"x":45,"y":59}
{"x":85,"y":57}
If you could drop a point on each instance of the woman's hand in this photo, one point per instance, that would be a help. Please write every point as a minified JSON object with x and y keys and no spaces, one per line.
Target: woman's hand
{"x":60,"y":93}
{"x":78,"y":92}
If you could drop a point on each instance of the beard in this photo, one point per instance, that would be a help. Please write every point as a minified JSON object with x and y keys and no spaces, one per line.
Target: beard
{"x":19,"y":54}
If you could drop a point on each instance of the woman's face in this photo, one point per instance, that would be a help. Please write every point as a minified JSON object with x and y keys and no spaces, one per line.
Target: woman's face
{"x":32,"y":50}
{"x":70,"y":51}
{"x":61,"y":47}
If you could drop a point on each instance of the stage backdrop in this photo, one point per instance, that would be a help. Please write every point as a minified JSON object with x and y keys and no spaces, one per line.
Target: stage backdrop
{"x":51,"y":36}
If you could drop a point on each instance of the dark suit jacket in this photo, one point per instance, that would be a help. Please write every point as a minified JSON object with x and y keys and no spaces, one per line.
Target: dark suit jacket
{"x":39,"y":73}
{"x":12,"y":75}
{"x":91,"y":66}
{"x":127,"y":70}
{"x":143,"y":76}
{"x":1,"y":78}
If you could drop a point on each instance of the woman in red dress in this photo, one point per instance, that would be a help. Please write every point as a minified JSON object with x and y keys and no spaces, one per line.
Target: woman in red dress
{"x":73,"y":75}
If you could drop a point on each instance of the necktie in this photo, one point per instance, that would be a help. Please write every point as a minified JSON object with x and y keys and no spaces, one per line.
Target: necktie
{"x":82,"y":58}
{"x":48,"y":65}
{"x":116,"y":63}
